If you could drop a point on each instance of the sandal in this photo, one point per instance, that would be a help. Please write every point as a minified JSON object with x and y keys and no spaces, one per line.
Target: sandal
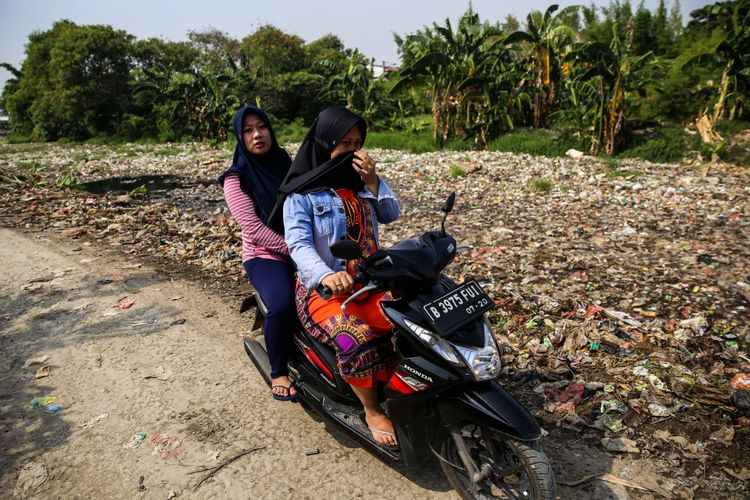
{"x":383,"y":433}
{"x":289,"y":396}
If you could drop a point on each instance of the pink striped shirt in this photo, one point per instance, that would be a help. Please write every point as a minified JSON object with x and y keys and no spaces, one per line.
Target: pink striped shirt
{"x":258,"y":240}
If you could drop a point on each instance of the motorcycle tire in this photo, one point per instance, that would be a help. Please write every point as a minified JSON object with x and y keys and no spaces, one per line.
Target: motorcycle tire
{"x":532,"y":476}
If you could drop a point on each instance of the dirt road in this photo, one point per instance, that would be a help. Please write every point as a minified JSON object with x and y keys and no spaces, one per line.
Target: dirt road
{"x":171,"y":364}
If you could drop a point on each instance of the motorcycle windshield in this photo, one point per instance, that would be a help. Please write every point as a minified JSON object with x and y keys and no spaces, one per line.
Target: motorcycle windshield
{"x":410,"y":260}
{"x":414,"y":259}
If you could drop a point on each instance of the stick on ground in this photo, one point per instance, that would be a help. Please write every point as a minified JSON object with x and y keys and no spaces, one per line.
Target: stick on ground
{"x":214,"y":470}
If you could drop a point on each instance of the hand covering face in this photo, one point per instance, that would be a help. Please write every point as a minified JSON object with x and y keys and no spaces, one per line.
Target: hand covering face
{"x":313,"y":168}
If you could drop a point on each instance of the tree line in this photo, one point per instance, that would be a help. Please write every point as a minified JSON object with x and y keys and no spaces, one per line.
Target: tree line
{"x":594,"y":73}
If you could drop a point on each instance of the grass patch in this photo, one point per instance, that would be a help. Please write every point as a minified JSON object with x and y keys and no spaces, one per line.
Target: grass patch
{"x":90,"y":155}
{"x":413,"y":142}
{"x":457,"y":171}
{"x":661,"y":145}
{"x":22,"y":148}
{"x":616,"y":173}
{"x":168,"y":151}
{"x":737,"y":142}
{"x":17,"y":139}
{"x":287,"y":132}
{"x":612,"y":169}
{"x":543,"y":185}
{"x":533,"y":142}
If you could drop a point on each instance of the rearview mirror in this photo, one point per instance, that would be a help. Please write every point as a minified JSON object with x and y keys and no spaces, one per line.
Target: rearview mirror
{"x":448,"y":205}
{"x":346,"y":249}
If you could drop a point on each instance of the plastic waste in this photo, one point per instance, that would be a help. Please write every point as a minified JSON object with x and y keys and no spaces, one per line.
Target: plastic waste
{"x":612,"y":405}
{"x":52,"y":408}
{"x":741,"y":400}
{"x":741,"y":381}
{"x":135,"y":441}
{"x":659,"y":410}
{"x":124,"y":303}
{"x":39,"y":402}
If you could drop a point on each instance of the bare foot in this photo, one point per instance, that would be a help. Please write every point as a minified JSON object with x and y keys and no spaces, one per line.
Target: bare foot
{"x":283,"y":391}
{"x":381,"y":427}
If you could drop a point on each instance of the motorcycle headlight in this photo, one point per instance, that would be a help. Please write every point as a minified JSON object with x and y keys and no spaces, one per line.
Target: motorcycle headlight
{"x":437,"y":344}
{"x":484,"y":362}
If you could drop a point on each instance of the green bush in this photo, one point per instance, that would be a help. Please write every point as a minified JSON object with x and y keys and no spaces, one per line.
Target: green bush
{"x":533,"y":142}
{"x":457,"y":171}
{"x":660,"y":145}
{"x":288,"y":132}
{"x":413,"y":142}
{"x":543,"y":185}
{"x":17,"y":138}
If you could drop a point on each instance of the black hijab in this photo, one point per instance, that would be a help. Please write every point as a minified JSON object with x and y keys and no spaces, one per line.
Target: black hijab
{"x":313,"y":168}
{"x":260,"y":175}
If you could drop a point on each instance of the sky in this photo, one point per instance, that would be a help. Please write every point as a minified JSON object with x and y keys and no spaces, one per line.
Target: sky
{"x":366,"y":25}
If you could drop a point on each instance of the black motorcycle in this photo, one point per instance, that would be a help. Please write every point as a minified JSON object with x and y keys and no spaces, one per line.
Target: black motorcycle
{"x":443,"y":398}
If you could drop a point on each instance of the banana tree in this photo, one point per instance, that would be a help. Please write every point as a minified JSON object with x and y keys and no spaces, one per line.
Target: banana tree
{"x":455,"y":67}
{"x":615,"y":75}
{"x":548,"y":40}
{"x":733,"y":54}
{"x":193,"y":102}
{"x":355,"y":80}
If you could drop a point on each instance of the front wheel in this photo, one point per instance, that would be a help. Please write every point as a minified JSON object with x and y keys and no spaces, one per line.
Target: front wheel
{"x":480,"y":463}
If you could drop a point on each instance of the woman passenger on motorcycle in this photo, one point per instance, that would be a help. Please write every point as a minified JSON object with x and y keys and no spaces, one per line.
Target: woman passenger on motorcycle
{"x":250,"y":188}
{"x":333,"y":192}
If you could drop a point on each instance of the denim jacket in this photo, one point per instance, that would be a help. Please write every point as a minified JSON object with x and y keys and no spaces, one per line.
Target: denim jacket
{"x":313,"y":221}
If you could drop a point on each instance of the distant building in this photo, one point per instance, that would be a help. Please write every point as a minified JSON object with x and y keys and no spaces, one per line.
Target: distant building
{"x":4,"y":122}
{"x":380,"y":69}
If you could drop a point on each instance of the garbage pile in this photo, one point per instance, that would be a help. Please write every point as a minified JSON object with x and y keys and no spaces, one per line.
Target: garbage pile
{"x":622,"y":288}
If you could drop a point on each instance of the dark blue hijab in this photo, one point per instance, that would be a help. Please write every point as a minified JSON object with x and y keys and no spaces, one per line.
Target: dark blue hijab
{"x":260,"y":175}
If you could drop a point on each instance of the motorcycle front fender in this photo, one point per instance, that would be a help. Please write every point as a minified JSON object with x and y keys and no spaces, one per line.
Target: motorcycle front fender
{"x":489,"y":404}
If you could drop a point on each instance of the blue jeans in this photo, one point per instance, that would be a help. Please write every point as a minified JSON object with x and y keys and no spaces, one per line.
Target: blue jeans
{"x":274,"y":281}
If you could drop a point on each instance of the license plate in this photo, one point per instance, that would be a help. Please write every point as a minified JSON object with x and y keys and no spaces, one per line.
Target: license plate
{"x":457,"y":307}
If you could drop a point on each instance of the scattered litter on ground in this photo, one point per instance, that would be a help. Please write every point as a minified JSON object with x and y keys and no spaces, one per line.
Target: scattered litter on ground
{"x":165,"y":445}
{"x":160,"y":373}
{"x":42,"y":372}
{"x":31,"y":477}
{"x":741,"y":381}
{"x":144,"y":322}
{"x":135,"y":441}
{"x":620,"y":445}
{"x":90,"y":423}
{"x":633,"y":278}
{"x":52,"y":408}
{"x":124,"y":303}
{"x":42,"y":401}
{"x":35,"y":361}
{"x":311,"y":451}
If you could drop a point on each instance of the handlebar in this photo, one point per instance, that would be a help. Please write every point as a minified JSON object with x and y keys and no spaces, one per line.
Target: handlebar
{"x":326,"y":293}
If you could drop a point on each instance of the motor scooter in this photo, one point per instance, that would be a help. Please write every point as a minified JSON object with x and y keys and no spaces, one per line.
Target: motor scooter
{"x":443,"y":398}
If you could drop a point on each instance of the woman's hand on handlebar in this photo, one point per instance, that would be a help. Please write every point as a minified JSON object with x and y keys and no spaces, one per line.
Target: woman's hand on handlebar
{"x":339,"y":283}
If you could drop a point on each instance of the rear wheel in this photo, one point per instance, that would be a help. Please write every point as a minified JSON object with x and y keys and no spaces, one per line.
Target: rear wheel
{"x":480,"y":463}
